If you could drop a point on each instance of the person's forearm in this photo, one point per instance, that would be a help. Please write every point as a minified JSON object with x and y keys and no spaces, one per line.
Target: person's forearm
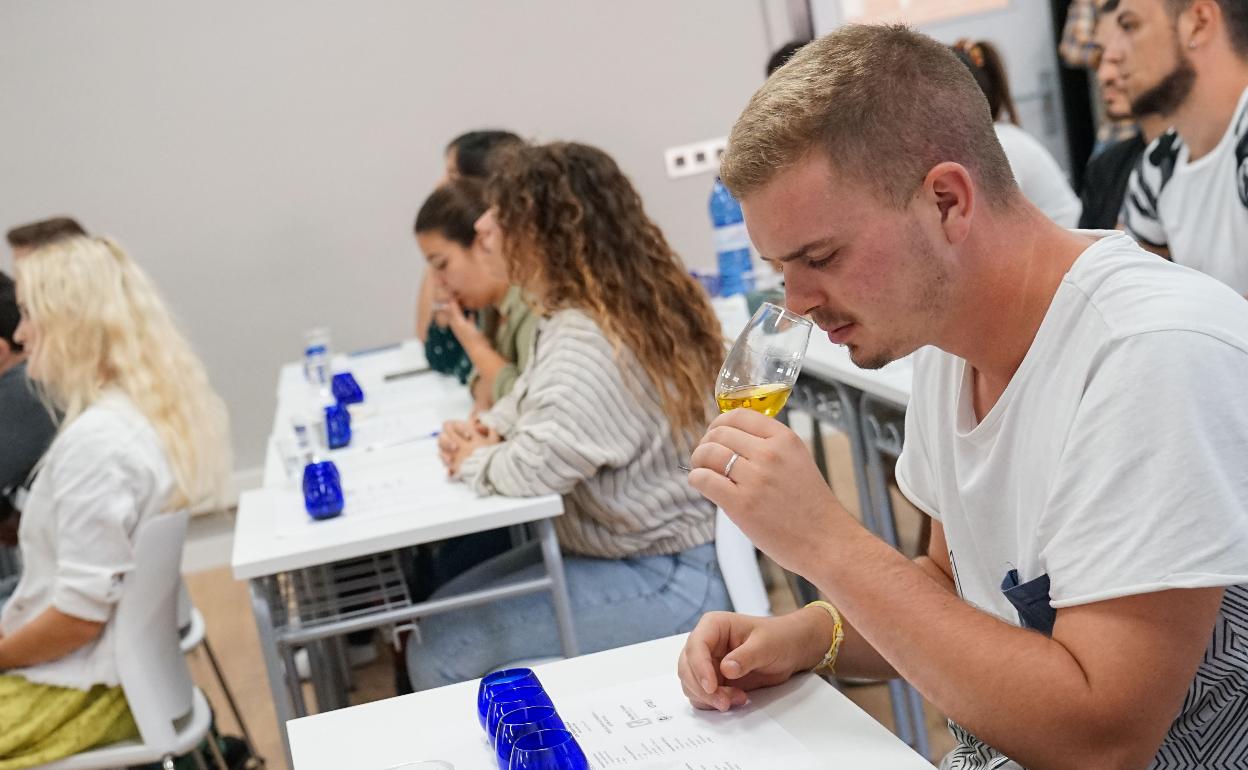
{"x":485,"y":359}
{"x":51,"y":635}
{"x":857,"y":658}
{"x":966,"y":662}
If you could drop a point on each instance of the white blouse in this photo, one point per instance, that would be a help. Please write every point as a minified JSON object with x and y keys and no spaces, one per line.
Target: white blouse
{"x":104,"y":474}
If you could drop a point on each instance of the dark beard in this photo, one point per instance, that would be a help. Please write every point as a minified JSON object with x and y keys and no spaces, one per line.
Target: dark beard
{"x":1168,"y":95}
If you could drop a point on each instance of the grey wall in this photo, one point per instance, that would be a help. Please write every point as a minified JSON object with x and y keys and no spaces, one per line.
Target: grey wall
{"x":264,"y":159}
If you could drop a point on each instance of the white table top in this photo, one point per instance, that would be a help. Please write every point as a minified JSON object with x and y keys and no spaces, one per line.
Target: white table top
{"x":396,"y":494}
{"x":441,"y":723}
{"x":828,"y":361}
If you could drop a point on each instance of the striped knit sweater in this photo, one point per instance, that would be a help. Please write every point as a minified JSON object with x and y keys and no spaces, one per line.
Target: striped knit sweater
{"x":580,"y":423}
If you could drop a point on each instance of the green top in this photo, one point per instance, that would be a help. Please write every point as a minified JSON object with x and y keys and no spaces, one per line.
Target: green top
{"x":512,"y":330}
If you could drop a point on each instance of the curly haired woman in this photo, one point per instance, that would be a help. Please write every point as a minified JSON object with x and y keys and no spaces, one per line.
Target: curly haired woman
{"x":142,"y":434}
{"x":613,"y":402}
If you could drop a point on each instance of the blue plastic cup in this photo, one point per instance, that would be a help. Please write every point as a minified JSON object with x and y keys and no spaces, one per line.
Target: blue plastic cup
{"x":345,"y":389}
{"x":337,"y":426}
{"x":547,"y":750}
{"x":501,"y":680}
{"x":521,"y":722}
{"x":511,"y":699}
{"x":322,"y":490}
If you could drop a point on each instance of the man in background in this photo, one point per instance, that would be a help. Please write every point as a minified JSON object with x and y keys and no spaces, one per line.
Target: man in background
{"x":1105,"y":179}
{"x":1187,"y":61}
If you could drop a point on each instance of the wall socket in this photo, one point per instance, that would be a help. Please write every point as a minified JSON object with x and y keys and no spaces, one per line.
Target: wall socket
{"x":696,"y":158}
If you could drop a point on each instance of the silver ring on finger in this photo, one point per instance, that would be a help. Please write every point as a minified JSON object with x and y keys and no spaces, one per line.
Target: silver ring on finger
{"x":731,"y":462}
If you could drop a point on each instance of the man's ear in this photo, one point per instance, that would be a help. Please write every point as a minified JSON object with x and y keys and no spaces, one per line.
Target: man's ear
{"x":6,"y":348}
{"x":949,"y":188}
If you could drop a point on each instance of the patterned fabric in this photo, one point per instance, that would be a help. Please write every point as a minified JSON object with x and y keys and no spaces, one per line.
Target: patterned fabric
{"x":1078,"y":46}
{"x":445,"y":354}
{"x":1209,"y":732}
{"x":40,"y":723}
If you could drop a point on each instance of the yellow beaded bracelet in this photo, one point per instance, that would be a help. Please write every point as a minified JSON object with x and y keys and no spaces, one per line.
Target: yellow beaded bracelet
{"x":838,"y":636}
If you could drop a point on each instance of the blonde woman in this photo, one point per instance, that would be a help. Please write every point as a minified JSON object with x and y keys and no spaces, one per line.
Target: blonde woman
{"x":142,"y":434}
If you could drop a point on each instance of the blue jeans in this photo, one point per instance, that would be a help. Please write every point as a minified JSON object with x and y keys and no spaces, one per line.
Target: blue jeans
{"x":615,"y":602}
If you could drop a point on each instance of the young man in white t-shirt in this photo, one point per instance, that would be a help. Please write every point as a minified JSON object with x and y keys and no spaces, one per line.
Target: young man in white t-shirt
{"x":1077,"y":432}
{"x":1187,"y":60}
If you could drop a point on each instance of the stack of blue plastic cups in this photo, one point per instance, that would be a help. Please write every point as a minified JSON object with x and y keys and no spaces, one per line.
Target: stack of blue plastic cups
{"x":523,"y":726}
{"x":322,"y":484}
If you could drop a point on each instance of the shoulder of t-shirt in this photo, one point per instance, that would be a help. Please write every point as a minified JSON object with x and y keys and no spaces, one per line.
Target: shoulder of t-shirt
{"x":1134,"y":292}
{"x":1156,"y":165}
{"x":1153,"y":169}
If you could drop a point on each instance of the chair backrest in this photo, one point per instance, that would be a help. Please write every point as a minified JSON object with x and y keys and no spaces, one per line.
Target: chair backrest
{"x":150,"y":664}
{"x":738,"y":563}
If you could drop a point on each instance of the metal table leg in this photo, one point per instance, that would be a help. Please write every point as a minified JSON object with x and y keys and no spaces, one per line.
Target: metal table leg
{"x":558,"y":587}
{"x":276,"y":669}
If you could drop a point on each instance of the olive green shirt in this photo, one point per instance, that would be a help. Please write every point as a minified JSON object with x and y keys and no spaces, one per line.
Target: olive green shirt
{"x":512,"y":330}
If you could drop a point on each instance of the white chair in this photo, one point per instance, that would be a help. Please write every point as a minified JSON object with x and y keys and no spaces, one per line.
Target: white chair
{"x":193,"y":635}
{"x":172,"y":714}
{"x":738,"y":563}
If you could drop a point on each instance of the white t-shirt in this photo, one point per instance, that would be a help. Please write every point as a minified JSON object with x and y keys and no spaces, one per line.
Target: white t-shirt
{"x":1197,"y":209}
{"x":1115,"y":463}
{"x":103,"y":475}
{"x":1039,"y":177}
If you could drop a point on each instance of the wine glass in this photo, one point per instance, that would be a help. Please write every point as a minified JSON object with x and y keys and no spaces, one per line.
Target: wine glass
{"x":764,"y":362}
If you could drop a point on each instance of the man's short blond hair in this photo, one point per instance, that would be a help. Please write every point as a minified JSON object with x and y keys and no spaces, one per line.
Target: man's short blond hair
{"x":884,"y":103}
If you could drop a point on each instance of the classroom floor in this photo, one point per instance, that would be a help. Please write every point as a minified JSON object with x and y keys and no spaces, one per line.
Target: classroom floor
{"x":225,"y":605}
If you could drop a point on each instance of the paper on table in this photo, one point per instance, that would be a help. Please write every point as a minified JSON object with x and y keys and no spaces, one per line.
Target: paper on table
{"x":376,"y":431}
{"x":649,"y":725}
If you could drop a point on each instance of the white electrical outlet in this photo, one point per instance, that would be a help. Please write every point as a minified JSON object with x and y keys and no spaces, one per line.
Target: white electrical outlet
{"x":696,"y":158}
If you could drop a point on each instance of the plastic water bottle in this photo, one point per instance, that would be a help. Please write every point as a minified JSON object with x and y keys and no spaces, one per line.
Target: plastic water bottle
{"x":732,"y":242}
{"x":316,"y":355}
{"x":316,"y":370}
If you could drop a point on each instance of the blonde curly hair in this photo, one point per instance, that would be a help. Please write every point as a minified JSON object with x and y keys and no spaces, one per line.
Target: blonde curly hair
{"x":101,"y":324}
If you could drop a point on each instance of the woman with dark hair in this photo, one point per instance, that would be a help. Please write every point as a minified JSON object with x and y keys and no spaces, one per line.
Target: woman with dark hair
{"x":616,"y":397}
{"x":471,"y":154}
{"x":1039,"y":176}
{"x":473,"y":277}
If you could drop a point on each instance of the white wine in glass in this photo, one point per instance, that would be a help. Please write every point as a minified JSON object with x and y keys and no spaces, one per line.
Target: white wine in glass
{"x":764,"y":362}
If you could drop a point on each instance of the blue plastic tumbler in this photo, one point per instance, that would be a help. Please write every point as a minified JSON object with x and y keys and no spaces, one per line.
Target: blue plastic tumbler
{"x":520,"y":722}
{"x":511,"y":699}
{"x":345,"y":389}
{"x":501,"y":680}
{"x":337,"y":426}
{"x":322,"y":490}
{"x":548,"y":750}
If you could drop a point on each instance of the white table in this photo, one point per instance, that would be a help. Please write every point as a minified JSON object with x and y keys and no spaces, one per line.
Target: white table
{"x":397,"y":495}
{"x":430,"y":725}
